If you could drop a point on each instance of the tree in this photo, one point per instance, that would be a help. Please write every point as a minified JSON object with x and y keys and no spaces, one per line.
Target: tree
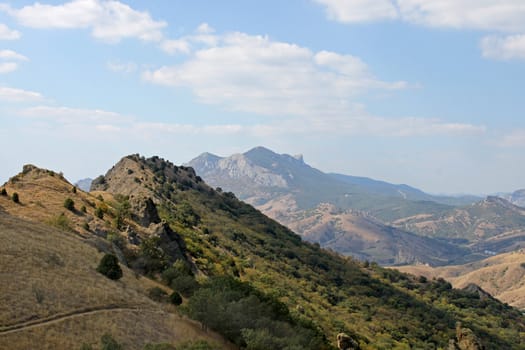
{"x":3,"y":192}
{"x":175,"y":298}
{"x":109,"y":267}
{"x":69,"y":204}
{"x":99,"y":213}
{"x":15,"y":198}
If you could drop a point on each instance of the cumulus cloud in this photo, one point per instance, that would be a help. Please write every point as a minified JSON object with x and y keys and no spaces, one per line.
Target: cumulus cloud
{"x":18,"y":95}
{"x":67,"y":115}
{"x":12,"y":55}
{"x":110,"y":21}
{"x":502,"y":16}
{"x":249,"y":73}
{"x":504,"y":48}
{"x":8,"y":34}
{"x":8,"y":67}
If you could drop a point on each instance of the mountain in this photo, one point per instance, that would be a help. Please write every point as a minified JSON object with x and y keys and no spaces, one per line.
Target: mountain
{"x":516,"y":198}
{"x":493,"y":224}
{"x":503,"y":276}
{"x":292,"y":192}
{"x":240,"y":273}
{"x":84,"y":184}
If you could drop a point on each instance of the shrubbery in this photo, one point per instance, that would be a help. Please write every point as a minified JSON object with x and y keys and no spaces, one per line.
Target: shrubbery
{"x":69,"y":204}
{"x":15,"y":198}
{"x":110,"y":267}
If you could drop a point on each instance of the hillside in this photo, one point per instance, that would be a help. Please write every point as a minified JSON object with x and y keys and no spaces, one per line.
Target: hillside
{"x":493,"y":225}
{"x":51,"y":297}
{"x":516,"y":197}
{"x":225,"y":236}
{"x":241,"y":273}
{"x":503,"y":276}
{"x":356,"y":234}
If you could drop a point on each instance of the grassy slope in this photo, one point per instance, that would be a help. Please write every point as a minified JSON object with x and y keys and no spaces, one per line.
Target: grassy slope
{"x":387,"y":309}
{"x":47,"y":273}
{"x":503,"y":276}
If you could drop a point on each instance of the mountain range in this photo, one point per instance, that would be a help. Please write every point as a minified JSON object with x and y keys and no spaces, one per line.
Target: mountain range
{"x":366,"y":218}
{"x":249,"y":280}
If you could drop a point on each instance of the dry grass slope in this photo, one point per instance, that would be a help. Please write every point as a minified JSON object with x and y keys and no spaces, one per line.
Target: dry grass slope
{"x":502,"y":275}
{"x":46,"y":272}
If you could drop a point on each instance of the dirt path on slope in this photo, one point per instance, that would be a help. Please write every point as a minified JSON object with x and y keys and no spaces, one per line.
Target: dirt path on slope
{"x":66,"y":316}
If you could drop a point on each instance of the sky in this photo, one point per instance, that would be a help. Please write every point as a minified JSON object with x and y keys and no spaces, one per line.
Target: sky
{"x":428,"y":93}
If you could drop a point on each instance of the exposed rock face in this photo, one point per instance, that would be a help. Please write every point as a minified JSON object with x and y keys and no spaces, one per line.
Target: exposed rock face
{"x":465,"y":340}
{"x":144,"y":212}
{"x":474,"y":288}
{"x":170,"y":242}
{"x":345,"y":342}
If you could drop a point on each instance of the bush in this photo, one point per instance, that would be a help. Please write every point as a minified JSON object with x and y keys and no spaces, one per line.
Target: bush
{"x":74,"y":189}
{"x":3,"y":192}
{"x":61,"y":221}
{"x":185,"y":285}
{"x":175,"y":298}
{"x":83,"y":209}
{"x":109,"y":267}
{"x":69,"y":204}
{"x":15,"y":198}
{"x":99,"y":213}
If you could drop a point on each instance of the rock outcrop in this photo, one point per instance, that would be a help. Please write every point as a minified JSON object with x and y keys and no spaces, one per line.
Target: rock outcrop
{"x":465,"y":340}
{"x":346,"y":342}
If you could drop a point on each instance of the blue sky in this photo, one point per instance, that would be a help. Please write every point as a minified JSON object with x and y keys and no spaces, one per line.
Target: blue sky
{"x":423,"y":92}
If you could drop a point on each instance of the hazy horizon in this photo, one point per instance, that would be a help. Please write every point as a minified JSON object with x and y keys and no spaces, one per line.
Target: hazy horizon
{"x":424,"y":93}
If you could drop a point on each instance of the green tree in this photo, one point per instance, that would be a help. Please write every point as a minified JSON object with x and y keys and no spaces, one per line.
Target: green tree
{"x":69,"y":204}
{"x":3,"y":192}
{"x":110,"y":267}
{"x":15,"y":198}
{"x":99,"y":213}
{"x":175,"y":298}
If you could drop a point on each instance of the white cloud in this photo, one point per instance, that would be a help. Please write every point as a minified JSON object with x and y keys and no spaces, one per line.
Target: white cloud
{"x":8,"y":34}
{"x":502,"y":16}
{"x":516,"y":138}
{"x":8,"y":67}
{"x":176,"y":46}
{"x":18,"y":95}
{"x":67,"y":115}
{"x":108,"y":20}
{"x":498,"y":15}
{"x":256,"y":74}
{"x":12,"y":55}
{"x":122,"y":67}
{"x":352,"y":11}
{"x":504,"y":48}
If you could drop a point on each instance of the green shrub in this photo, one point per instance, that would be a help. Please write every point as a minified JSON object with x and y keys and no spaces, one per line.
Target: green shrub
{"x":69,"y":204}
{"x":175,"y":298}
{"x":110,"y":267}
{"x":99,"y":213}
{"x":74,"y":189}
{"x":3,"y":192}
{"x":83,"y":209}
{"x":185,"y":285}
{"x":61,"y":221}
{"x":15,"y":198}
